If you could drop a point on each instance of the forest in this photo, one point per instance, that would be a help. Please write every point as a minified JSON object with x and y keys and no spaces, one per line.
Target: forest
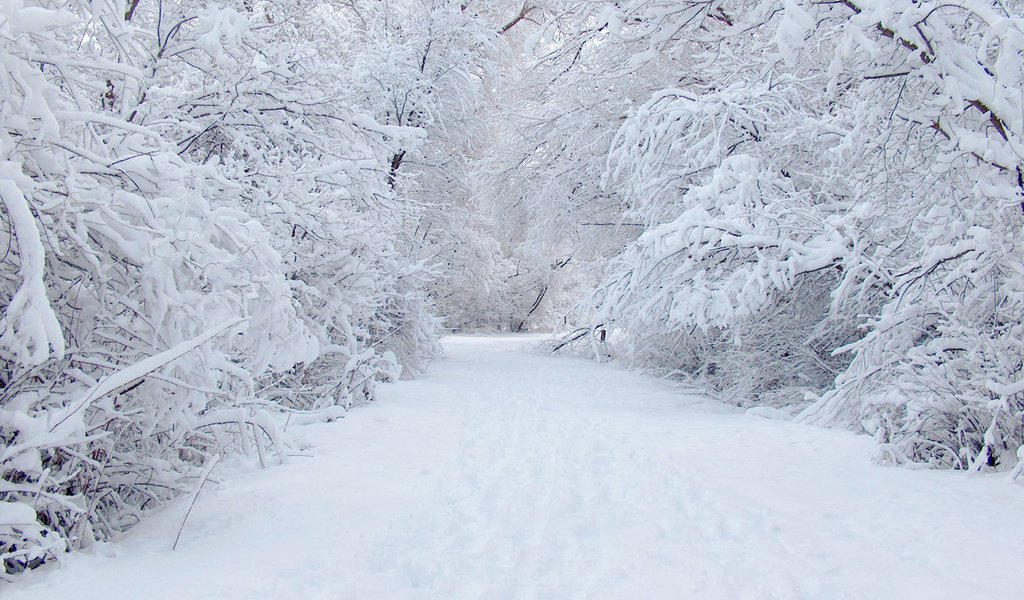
{"x":224,"y":218}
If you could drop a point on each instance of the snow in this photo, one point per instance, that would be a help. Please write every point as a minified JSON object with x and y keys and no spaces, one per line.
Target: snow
{"x":795,"y":25}
{"x":137,"y":371}
{"x":28,"y":327}
{"x":504,"y":473}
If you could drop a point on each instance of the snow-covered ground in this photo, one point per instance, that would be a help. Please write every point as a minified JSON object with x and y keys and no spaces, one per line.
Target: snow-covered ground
{"x":503,"y":474}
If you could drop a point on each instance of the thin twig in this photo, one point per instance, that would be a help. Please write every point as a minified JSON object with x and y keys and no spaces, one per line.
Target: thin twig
{"x":195,"y":495}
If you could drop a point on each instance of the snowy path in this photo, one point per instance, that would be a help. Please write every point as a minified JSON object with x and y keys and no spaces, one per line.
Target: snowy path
{"x":507,"y":475}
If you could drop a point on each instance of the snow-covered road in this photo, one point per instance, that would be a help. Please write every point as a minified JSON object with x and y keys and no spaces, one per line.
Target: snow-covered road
{"x":503,"y":474}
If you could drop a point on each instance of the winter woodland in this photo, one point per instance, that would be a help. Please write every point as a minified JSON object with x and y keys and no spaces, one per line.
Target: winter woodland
{"x":223,"y":218}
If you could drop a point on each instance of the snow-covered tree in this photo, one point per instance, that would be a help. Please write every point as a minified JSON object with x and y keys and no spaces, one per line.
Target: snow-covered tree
{"x":200,"y":235}
{"x":829,"y":194}
{"x":425,"y":64}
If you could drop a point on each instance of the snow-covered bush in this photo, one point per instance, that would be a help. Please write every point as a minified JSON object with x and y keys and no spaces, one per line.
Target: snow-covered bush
{"x":936,"y":377}
{"x":199,"y":234}
{"x":830,"y":194}
{"x":539,"y":178}
{"x":271,"y":108}
{"x":424,"y":64}
{"x":135,"y":309}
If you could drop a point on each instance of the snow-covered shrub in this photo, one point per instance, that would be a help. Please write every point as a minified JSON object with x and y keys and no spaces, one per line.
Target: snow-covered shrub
{"x":423,"y":65}
{"x":743,"y":274}
{"x":198,"y":234}
{"x":936,"y":377}
{"x":314,"y":170}
{"x":830,"y":194}
{"x":539,"y":179}
{"x":165,"y":302}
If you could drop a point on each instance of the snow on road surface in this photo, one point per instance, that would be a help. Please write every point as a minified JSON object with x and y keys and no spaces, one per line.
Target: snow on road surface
{"x":506,"y":474}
